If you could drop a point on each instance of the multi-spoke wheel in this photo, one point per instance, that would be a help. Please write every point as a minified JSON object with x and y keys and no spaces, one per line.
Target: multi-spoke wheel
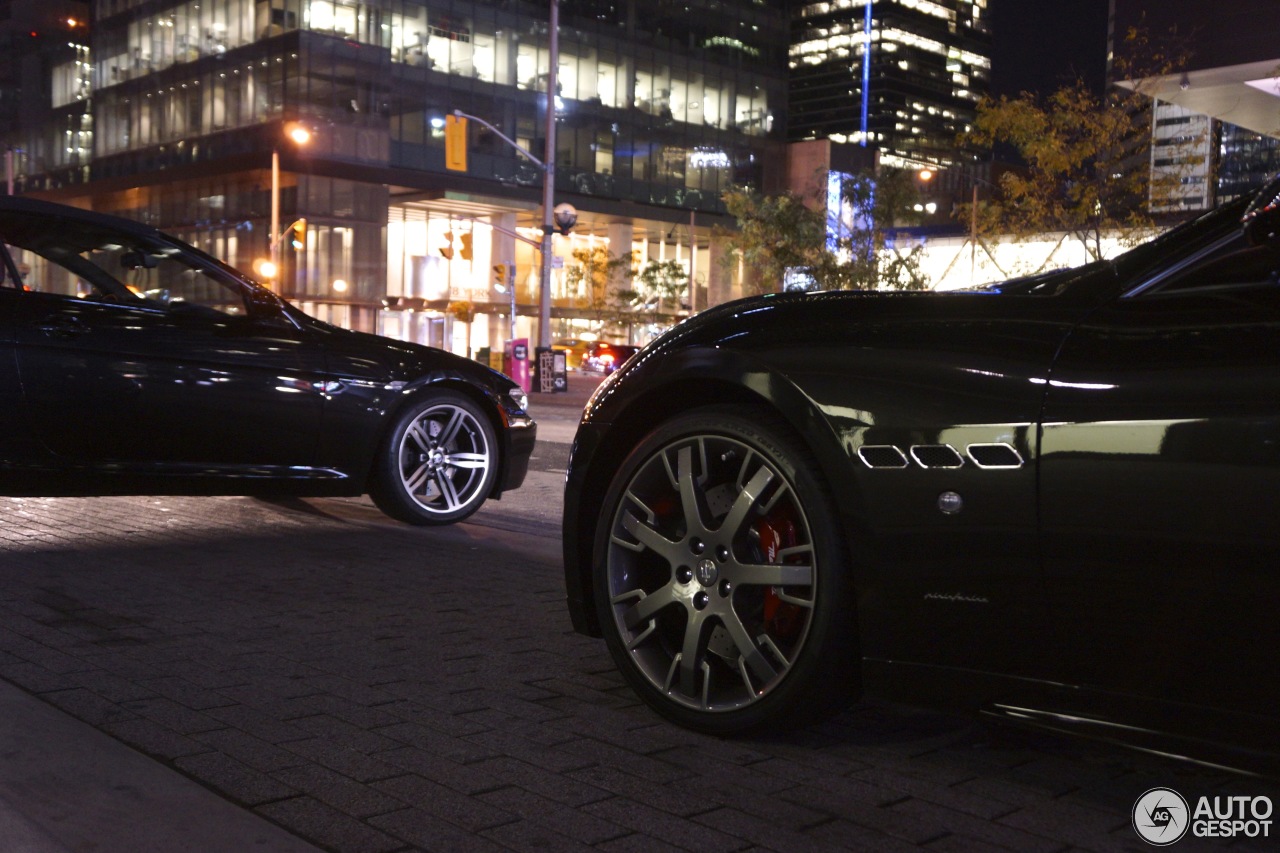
{"x":720,"y":579}
{"x":439,"y":461}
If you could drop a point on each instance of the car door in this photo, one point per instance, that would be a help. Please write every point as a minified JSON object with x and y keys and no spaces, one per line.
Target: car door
{"x":1160,"y":478}
{"x":159,"y":363}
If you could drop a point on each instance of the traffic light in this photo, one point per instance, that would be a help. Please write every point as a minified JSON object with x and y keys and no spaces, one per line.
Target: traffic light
{"x":446,"y":251}
{"x":500,"y":275}
{"x":299,"y":240}
{"x":466,"y":245}
{"x":455,"y":143}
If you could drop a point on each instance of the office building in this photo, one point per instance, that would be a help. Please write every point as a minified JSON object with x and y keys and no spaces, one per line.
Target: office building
{"x":1225,"y":104}
{"x":660,"y":107}
{"x":901,"y":76}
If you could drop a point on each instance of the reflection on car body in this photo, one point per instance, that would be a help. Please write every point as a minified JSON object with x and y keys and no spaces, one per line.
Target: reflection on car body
{"x":134,"y":363}
{"x":1051,"y":498}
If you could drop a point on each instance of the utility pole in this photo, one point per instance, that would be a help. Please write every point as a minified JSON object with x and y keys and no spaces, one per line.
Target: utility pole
{"x":549,"y":181}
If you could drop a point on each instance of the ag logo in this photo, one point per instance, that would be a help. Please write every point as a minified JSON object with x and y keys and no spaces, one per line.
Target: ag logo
{"x":1161,"y":816}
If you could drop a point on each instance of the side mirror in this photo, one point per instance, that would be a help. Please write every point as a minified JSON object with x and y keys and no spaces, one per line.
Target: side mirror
{"x":1261,"y":221}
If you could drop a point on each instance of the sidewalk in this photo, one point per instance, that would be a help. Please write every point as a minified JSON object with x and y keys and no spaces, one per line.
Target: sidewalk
{"x":557,"y":414}
{"x":66,"y":787}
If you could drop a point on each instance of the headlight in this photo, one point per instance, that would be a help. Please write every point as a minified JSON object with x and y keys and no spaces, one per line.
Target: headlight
{"x":520,"y":398}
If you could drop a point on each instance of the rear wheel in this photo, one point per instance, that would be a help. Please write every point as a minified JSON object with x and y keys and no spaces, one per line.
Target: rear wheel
{"x":721,"y":580}
{"x":438,"y":463}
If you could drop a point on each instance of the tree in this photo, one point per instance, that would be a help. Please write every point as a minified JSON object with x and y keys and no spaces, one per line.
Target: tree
{"x":597,"y":278}
{"x":1086,"y":156}
{"x":784,"y":237}
{"x":464,"y":311}
{"x":661,"y":281}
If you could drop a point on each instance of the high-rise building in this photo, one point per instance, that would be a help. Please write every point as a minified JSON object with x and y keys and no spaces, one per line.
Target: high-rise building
{"x":901,"y":76}
{"x":44,"y":89}
{"x":659,"y":108}
{"x":1217,"y":122}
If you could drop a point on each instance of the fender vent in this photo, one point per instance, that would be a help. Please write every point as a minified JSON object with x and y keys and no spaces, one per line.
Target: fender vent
{"x":994,"y":456}
{"x":881,"y":456}
{"x":937,"y":456}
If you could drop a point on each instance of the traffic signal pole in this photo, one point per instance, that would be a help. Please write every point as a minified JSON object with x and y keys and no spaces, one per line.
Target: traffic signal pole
{"x":548,"y":166}
{"x":549,"y":182}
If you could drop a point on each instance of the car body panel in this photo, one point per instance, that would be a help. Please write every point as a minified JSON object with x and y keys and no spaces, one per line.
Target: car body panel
{"x":1160,"y":463}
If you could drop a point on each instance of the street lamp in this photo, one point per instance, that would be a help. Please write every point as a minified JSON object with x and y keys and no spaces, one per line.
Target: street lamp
{"x":300,"y":136}
{"x":549,"y":182}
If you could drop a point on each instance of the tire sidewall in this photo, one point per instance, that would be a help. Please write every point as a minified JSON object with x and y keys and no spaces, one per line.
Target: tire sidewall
{"x":824,"y":675}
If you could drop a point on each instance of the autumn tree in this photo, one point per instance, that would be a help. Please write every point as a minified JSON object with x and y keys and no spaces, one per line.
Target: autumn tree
{"x":791,"y":236}
{"x":660,"y":281}
{"x":599,"y":280}
{"x":1085,"y":155}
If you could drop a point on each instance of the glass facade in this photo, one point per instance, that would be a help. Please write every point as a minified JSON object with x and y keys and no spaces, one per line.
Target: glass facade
{"x":903,"y":76}
{"x":659,"y":110}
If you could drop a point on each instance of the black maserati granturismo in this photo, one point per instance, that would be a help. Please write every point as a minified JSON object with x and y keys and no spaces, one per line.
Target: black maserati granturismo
{"x":1053,"y":499}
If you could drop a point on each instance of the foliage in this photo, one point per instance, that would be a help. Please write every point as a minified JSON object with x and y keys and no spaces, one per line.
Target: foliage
{"x":1086,"y":155}
{"x":781,"y":237}
{"x":462,"y":310}
{"x":597,"y":277}
{"x":661,"y":281}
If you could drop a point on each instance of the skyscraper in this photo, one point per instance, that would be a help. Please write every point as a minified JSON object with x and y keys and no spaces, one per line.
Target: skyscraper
{"x":900,"y":76}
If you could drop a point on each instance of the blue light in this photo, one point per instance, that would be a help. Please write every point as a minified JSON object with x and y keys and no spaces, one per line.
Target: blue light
{"x":866,"y":71}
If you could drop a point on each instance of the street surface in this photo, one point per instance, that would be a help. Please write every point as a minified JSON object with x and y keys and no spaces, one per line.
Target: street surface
{"x":374,"y":687}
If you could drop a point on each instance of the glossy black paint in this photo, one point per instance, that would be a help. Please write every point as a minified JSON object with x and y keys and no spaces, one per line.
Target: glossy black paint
{"x":101,"y":397}
{"x":1125,"y":572}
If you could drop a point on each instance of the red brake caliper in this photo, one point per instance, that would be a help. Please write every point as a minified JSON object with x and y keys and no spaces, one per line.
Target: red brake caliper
{"x":781,"y":620}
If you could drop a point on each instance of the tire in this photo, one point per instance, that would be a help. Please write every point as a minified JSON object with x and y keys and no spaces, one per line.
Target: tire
{"x":438,"y":462}
{"x":721,"y":581}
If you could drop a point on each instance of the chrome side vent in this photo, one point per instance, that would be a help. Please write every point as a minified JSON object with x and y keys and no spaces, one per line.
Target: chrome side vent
{"x":937,"y":456}
{"x":998,"y":455}
{"x":881,"y":456}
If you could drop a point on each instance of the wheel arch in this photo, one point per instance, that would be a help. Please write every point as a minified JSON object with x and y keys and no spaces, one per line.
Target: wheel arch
{"x":424,"y":390}
{"x":692,"y":379}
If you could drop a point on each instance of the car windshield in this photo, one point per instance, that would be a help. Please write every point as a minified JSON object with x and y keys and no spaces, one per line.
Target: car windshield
{"x":1186,"y":239}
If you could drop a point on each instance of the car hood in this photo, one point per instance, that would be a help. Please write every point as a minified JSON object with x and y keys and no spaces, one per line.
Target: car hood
{"x":369,"y":357}
{"x":846,"y":315}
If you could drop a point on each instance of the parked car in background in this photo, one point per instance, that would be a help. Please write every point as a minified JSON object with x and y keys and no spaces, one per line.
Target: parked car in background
{"x":1052,"y":499}
{"x":132,"y":363}
{"x":604,"y":358}
{"x":573,"y":348}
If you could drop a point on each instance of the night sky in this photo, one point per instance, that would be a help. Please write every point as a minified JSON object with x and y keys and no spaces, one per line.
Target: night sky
{"x":1039,"y":45}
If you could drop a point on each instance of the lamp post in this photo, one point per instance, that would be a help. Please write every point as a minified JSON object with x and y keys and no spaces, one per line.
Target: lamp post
{"x":549,"y":181}
{"x":300,"y":136}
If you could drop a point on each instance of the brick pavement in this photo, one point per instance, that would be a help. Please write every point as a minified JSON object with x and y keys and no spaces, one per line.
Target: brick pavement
{"x":373,"y":687}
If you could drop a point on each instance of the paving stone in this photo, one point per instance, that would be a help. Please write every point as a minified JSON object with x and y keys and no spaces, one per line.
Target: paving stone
{"x":663,"y":825}
{"x":235,"y":779}
{"x":154,"y":739}
{"x":471,"y":813}
{"x":336,"y":829}
{"x":534,"y":809}
{"x":433,"y":834}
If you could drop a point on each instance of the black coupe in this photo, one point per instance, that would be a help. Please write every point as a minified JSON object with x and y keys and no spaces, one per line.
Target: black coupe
{"x":133,"y":363}
{"x":1054,"y":499}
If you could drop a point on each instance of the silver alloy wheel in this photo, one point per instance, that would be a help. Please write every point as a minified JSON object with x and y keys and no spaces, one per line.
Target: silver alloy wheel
{"x":710,"y":573}
{"x":444,"y":456}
